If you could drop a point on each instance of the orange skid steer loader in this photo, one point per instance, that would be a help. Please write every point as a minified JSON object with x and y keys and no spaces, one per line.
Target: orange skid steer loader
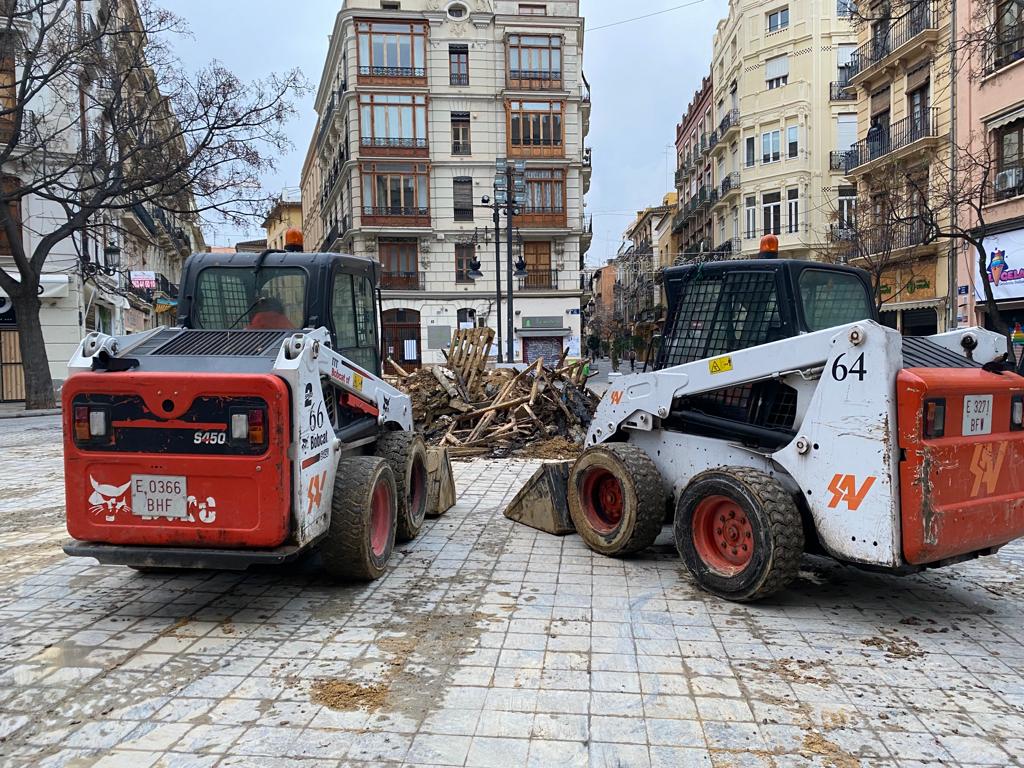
{"x":258,"y":428}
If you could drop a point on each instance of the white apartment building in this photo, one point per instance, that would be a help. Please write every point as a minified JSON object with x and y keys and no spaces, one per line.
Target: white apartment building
{"x":781,"y":118}
{"x":118,"y":274}
{"x":417,"y":100}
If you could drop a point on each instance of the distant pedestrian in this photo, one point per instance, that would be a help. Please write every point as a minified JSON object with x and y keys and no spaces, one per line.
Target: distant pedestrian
{"x":632,"y":360}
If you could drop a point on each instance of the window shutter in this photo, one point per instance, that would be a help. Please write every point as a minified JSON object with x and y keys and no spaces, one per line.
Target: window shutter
{"x":463,"y":193}
{"x":880,"y":101}
{"x":776,"y":67}
{"x":846,"y":130}
{"x":845,"y":53}
{"x":919,"y":77}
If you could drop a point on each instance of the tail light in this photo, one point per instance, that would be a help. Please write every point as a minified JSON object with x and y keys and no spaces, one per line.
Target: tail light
{"x":257,"y":433}
{"x":1017,"y":413}
{"x":248,"y":425}
{"x":91,"y":424}
{"x":934,"y":418}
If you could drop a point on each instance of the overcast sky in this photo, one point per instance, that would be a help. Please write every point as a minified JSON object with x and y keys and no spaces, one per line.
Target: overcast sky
{"x":642,"y":75}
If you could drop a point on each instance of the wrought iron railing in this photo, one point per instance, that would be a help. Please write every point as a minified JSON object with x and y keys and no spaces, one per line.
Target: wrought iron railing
{"x":837,"y":159}
{"x":840,"y":91}
{"x":395,"y":210}
{"x":461,"y":148}
{"x":731,"y":183}
{"x":894,"y":237}
{"x":882,"y":140}
{"x":680,"y":177}
{"x":392,"y":72}
{"x":537,"y":77}
{"x":730,"y":120}
{"x":459,"y":78}
{"x":546,"y":279}
{"x":392,"y":142}
{"x":403,"y":281}
{"x":921,"y":16}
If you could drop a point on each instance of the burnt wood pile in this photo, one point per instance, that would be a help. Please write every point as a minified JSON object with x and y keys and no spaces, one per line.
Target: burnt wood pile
{"x":473,"y":410}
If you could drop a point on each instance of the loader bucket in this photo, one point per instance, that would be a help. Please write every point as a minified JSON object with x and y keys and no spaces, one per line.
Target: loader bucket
{"x":440,"y":482}
{"x":543,"y":502}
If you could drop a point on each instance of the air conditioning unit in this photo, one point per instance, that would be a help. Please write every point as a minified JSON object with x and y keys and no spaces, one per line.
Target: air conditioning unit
{"x":1009,"y":179}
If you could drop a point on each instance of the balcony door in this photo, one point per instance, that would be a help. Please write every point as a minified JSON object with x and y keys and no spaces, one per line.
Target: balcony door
{"x":538,"y":265}
{"x":399,"y":260}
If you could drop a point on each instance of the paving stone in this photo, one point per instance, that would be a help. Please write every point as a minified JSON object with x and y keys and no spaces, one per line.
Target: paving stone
{"x":493,"y":645}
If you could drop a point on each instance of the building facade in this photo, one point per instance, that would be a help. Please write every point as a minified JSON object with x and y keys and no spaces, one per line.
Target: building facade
{"x":415,"y":106}
{"x":691,"y":224}
{"x":780,"y":109}
{"x":902,"y":74}
{"x":285,"y":214}
{"x":989,"y":125}
{"x":119,"y":272}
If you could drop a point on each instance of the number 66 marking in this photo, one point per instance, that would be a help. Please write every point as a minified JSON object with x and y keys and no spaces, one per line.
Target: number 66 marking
{"x":841,"y":372}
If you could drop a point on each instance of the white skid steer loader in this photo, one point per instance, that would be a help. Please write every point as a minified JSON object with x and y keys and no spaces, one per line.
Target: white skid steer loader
{"x":782,"y":418}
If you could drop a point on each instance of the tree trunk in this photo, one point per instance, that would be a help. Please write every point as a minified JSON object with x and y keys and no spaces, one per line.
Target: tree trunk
{"x":38,"y":382}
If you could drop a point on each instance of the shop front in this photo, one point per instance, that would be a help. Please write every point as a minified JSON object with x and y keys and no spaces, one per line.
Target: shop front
{"x":1005,"y":274}
{"x":911,"y":301}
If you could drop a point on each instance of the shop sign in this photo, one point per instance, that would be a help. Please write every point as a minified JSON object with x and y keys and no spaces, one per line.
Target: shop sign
{"x":7,"y":317}
{"x":1005,"y":266}
{"x":908,"y":282}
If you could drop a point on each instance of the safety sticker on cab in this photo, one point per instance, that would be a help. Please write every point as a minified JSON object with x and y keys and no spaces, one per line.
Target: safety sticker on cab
{"x":720,"y":365}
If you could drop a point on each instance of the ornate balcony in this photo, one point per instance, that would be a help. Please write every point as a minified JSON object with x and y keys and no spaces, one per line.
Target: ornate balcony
{"x":918,"y":25}
{"x":896,"y":140}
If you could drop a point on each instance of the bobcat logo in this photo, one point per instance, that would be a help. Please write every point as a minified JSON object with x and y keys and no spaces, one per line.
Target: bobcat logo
{"x":385,"y":403}
{"x":206,"y":509}
{"x":108,"y":499}
{"x":309,"y":396}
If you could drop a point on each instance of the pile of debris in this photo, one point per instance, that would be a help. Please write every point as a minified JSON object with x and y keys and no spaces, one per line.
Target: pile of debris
{"x":542,"y":411}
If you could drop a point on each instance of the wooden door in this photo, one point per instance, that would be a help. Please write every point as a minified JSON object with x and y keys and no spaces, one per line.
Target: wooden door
{"x":538,"y":265}
{"x":401,"y":335}
{"x":12,"y":374}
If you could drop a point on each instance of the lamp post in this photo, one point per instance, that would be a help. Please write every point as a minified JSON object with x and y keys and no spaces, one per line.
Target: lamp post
{"x":510,"y":192}
{"x":474,"y":272}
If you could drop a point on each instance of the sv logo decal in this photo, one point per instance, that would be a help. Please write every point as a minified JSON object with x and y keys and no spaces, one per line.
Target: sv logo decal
{"x":616,"y":396}
{"x":986,"y":465}
{"x":844,"y":489}
{"x":315,"y":491}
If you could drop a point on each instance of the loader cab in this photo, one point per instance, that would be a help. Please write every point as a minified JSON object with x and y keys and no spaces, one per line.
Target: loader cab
{"x":721,"y":307}
{"x":287,"y":291}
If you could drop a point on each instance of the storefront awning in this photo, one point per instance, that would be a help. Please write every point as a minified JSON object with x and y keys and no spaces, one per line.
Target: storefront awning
{"x":899,"y":306}
{"x":1005,"y":119}
{"x":50,"y":287}
{"x":529,"y":333}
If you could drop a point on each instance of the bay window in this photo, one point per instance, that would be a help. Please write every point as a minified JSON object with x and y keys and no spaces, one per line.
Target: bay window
{"x":392,"y":49}
{"x":535,"y":127}
{"x":393,"y":121}
{"x":545,"y":197}
{"x":396,"y":190}
{"x":771,"y":213}
{"x":534,"y":62}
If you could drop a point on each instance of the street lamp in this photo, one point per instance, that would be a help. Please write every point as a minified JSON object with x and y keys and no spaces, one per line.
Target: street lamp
{"x":111,"y":257}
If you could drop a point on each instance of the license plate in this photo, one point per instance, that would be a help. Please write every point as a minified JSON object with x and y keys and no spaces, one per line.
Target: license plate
{"x":159,"y":496}
{"x":977,"y":415}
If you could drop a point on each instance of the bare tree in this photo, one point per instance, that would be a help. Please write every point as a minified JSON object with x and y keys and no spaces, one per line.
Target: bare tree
{"x":950,"y":204}
{"x":97,"y":115}
{"x":865,"y":231}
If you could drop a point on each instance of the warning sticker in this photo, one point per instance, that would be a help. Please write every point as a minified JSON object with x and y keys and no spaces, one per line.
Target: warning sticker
{"x":720,"y":365}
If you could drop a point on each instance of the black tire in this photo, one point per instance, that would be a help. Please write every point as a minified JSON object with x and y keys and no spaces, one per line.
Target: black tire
{"x":739,"y":533}
{"x":616,"y":499}
{"x":406,"y":453}
{"x":358,"y":545}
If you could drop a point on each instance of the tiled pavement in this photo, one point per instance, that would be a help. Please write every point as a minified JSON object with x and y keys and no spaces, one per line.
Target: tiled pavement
{"x":489,"y":644}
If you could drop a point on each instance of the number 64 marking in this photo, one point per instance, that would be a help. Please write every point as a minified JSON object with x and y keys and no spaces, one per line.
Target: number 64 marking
{"x":840,"y":372}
